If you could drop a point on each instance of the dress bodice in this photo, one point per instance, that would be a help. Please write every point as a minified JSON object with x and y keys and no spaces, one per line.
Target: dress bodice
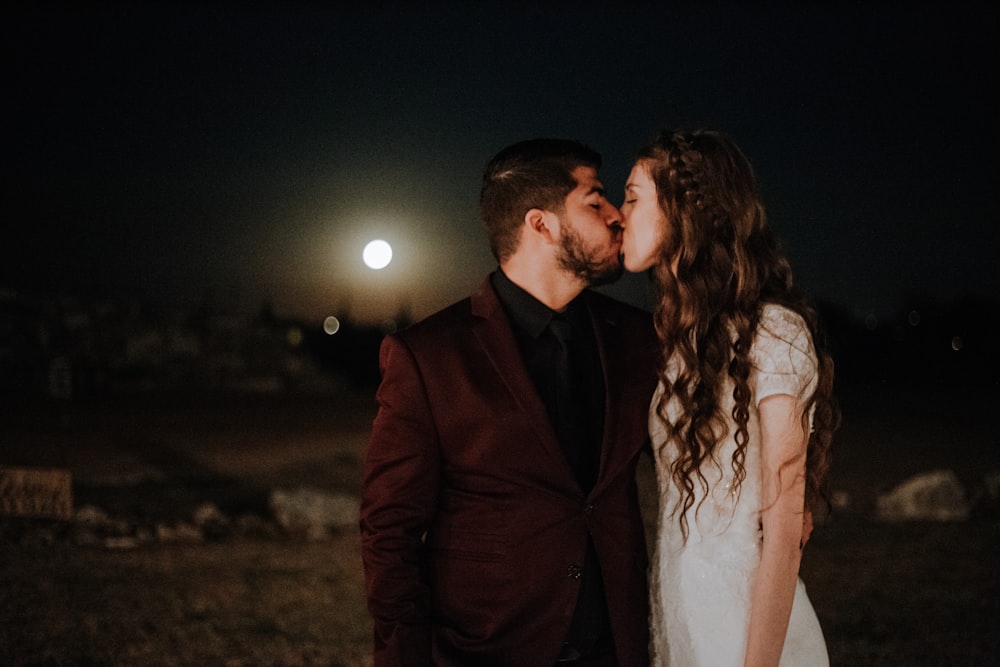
{"x":702,"y":585}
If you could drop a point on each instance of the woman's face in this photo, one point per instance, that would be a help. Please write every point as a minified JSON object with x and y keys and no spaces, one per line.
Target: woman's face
{"x":643,"y":223}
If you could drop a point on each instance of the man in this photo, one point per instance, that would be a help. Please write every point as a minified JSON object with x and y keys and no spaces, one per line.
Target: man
{"x":500,"y":520}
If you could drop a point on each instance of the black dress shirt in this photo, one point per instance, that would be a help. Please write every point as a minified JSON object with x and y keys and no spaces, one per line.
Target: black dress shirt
{"x":580,"y":433}
{"x":581,"y":440}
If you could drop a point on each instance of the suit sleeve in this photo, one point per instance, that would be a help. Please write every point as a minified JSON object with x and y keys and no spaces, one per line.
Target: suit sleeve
{"x":399,"y":494}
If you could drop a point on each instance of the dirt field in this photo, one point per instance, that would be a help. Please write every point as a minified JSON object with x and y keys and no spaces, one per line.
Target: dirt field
{"x":887,"y":594}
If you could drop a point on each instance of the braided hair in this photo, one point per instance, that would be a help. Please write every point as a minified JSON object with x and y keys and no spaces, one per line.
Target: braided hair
{"x":719,"y":264}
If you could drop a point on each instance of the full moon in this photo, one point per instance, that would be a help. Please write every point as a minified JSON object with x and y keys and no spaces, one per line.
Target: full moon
{"x":377,"y":254}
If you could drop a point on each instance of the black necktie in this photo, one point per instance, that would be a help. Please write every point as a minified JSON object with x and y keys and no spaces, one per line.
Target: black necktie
{"x":568,"y":408}
{"x":590,"y":622}
{"x":562,"y":330}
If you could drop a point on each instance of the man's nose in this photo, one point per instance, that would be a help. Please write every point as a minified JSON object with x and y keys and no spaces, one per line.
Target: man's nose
{"x":612,"y":216}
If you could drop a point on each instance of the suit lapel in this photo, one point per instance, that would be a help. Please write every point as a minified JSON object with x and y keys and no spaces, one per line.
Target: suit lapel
{"x":494,"y":334}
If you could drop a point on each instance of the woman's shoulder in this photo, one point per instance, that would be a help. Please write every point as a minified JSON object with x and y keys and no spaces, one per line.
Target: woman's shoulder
{"x":783,"y":342}
{"x":780,"y":319}
{"x":783,"y":355}
{"x":780,"y":325}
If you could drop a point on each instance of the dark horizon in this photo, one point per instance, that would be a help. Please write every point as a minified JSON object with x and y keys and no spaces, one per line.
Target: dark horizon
{"x":76,"y":351}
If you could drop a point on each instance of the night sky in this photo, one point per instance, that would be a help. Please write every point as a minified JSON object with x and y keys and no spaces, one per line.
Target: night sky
{"x":241,"y":155}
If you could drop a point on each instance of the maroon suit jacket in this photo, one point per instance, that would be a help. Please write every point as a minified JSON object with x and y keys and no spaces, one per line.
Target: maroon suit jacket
{"x":473,"y":526}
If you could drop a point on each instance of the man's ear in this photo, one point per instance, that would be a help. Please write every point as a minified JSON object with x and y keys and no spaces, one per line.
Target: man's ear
{"x":540,"y":222}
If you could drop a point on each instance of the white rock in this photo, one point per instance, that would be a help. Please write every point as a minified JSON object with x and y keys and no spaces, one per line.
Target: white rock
{"x":312,"y":511}
{"x":208,"y":513}
{"x":932,"y":496}
{"x":88,"y":515}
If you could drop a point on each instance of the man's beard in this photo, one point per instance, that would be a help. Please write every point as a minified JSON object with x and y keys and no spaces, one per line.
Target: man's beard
{"x":587,"y":263}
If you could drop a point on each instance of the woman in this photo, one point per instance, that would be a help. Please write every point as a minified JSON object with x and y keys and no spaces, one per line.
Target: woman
{"x":742,"y":420}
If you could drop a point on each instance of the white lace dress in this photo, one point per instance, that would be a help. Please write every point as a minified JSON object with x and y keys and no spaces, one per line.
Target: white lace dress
{"x":700,"y":591}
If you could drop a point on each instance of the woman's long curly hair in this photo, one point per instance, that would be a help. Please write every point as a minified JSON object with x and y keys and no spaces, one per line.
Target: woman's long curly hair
{"x":719,"y":264}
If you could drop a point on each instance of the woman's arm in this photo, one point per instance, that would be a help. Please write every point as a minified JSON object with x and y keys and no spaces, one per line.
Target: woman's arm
{"x":783,"y":455}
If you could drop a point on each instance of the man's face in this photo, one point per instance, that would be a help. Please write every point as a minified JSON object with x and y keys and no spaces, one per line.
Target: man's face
{"x":590,"y":231}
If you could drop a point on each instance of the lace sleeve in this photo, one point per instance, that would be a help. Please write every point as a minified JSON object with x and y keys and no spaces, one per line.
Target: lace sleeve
{"x":783,"y":357}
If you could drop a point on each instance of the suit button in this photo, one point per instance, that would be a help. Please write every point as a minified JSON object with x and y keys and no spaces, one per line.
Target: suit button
{"x":588,"y":510}
{"x":574,"y":572}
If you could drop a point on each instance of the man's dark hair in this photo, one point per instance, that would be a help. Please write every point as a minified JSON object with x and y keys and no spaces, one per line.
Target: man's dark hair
{"x":537,"y":173}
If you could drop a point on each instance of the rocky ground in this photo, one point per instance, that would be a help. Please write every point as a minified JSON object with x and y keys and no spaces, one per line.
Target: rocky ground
{"x":217,"y":532}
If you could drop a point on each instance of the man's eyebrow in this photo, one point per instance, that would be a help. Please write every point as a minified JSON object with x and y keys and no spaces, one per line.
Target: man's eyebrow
{"x":596,"y":189}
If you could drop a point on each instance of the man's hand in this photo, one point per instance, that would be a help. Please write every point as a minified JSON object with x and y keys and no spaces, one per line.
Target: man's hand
{"x":807,"y":527}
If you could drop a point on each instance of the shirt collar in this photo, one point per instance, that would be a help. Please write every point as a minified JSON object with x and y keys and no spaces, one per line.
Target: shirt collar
{"x":528,"y":313}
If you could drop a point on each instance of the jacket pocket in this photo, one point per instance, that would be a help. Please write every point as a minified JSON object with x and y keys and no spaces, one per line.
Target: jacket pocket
{"x":475,"y":545}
